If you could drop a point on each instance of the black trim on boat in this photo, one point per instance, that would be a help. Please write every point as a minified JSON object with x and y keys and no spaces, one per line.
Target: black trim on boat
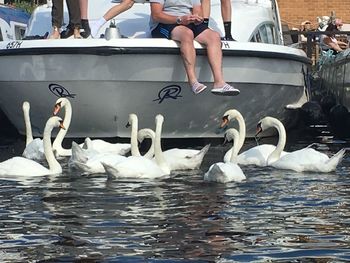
{"x":109,"y":51}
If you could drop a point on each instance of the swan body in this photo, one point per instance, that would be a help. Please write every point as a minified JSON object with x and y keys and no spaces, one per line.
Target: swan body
{"x":20,"y":166}
{"x":102,"y":146}
{"x":140,"y":166}
{"x":185,"y":159}
{"x":177,"y":159}
{"x":306,"y":159}
{"x":229,"y":171}
{"x":34,"y":149}
{"x":254,"y":156}
{"x":90,"y":162}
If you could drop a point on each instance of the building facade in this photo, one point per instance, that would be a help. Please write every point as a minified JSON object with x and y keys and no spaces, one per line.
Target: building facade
{"x":294,"y":12}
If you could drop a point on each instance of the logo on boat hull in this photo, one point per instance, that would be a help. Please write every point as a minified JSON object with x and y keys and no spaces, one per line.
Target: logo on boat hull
{"x":60,"y":91}
{"x":169,"y":92}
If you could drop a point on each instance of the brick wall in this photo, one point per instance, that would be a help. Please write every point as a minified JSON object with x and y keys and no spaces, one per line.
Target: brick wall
{"x":293,"y":12}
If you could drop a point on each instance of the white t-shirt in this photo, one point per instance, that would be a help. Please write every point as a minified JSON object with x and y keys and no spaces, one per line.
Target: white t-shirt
{"x":174,"y":8}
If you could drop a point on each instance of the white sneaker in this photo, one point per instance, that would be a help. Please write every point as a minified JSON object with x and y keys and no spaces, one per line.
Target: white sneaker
{"x":226,"y":90}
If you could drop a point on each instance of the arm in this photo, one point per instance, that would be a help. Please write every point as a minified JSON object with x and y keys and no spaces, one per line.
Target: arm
{"x":331,"y":44}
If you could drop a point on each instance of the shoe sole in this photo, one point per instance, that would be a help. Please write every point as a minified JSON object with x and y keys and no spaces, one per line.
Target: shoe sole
{"x":226,"y":93}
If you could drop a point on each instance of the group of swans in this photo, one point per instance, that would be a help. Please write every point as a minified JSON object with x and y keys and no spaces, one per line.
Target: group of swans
{"x":108,"y":158}
{"x":21,"y":166}
{"x":306,"y":159}
{"x":175,"y":159}
{"x":34,"y":148}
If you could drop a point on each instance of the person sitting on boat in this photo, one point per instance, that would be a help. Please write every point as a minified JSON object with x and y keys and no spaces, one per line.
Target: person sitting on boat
{"x":182,"y":21}
{"x":226,"y":13}
{"x":96,"y":25}
{"x":329,"y":42}
{"x":57,"y":17}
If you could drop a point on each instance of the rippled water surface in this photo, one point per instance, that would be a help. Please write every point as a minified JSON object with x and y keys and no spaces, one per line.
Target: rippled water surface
{"x":272,"y":216}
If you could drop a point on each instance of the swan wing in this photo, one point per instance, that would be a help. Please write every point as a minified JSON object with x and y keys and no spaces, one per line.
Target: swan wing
{"x":185,"y":159}
{"x":35,"y":150}
{"x":117,"y":148}
{"x":306,"y":159}
{"x":135,"y":167}
{"x":224,"y":173}
{"x":94,"y":164}
{"x":257,"y":155}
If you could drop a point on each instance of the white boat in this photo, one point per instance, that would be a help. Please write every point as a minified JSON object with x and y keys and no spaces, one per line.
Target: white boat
{"x":108,"y":79}
{"x":13,"y":23}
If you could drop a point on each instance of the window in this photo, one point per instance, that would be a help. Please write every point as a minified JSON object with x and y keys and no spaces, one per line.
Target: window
{"x":1,"y":38}
{"x":265,"y":33}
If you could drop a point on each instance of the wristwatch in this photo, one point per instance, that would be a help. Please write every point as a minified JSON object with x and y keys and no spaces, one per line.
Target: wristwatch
{"x":178,"y":20}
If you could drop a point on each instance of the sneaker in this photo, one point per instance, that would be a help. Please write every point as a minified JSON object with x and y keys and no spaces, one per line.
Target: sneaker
{"x":226,"y":90}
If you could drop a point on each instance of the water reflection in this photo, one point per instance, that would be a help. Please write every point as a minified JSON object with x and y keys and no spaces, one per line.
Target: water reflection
{"x":273,"y":215}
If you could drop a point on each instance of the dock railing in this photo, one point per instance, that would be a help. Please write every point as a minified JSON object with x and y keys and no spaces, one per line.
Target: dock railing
{"x":311,"y":46}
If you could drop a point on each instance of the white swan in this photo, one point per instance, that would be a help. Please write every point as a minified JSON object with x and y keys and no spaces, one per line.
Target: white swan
{"x":178,"y":159}
{"x":57,"y":144}
{"x":254,"y":156}
{"x":20,"y":166}
{"x":306,"y":159}
{"x":34,"y":149}
{"x":228,"y":171}
{"x":90,"y":162}
{"x":140,"y":166}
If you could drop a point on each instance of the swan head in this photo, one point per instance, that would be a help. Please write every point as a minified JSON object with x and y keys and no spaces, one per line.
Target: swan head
{"x":228,"y":116}
{"x":264,"y":124}
{"x":26,"y":106}
{"x":60,"y":103}
{"x":231,"y":134}
{"x":160,"y":118}
{"x":56,"y":121}
{"x":145,"y":133}
{"x":132,"y":119}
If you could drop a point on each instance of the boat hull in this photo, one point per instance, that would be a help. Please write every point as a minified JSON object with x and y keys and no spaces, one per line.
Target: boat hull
{"x":105,"y":87}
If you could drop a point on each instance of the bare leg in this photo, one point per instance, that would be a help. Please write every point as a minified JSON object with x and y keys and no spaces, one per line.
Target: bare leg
{"x":211,"y":40}
{"x":83,"y":9}
{"x":188,"y":52}
{"x":206,"y":8}
{"x":226,"y":10}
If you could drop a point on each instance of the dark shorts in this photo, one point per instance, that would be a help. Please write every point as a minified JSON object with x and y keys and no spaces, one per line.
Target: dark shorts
{"x":164,"y":30}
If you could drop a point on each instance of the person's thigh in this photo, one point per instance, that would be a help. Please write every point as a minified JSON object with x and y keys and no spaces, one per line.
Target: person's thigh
{"x":208,"y":36}
{"x":181,"y":33}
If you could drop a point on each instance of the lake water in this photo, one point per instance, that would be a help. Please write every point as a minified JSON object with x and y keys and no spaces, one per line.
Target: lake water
{"x":274,"y":215}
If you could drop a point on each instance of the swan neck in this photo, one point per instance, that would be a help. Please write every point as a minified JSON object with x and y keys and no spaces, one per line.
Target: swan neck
{"x":276,"y":154}
{"x":242,"y":132}
{"x":54,"y":165}
{"x":133,"y":140}
{"x":57,"y":144}
{"x":29,"y":134}
{"x":158,"y":153}
{"x":149,"y":154}
{"x":235,"y":150}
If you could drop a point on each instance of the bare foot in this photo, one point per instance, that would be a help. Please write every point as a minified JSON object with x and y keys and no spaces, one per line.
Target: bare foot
{"x":55,"y":33}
